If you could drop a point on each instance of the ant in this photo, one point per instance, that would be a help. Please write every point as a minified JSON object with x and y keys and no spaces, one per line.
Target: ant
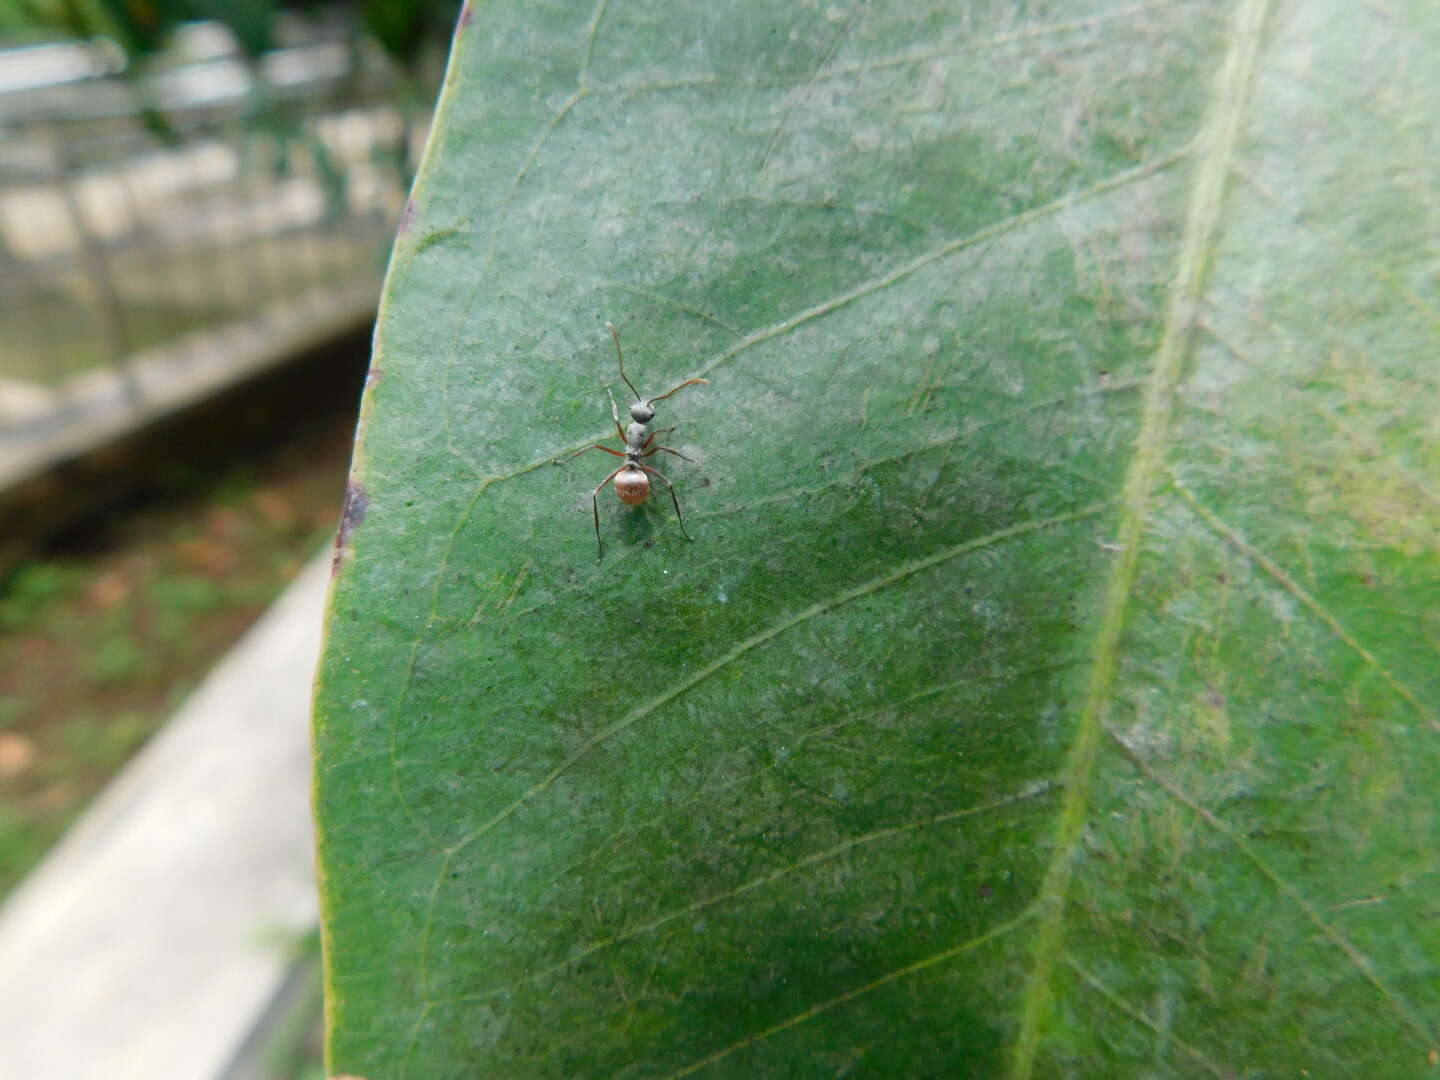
{"x":632,"y":484}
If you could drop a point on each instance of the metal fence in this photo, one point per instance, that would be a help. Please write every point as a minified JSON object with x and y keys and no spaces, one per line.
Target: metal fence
{"x":155,"y":235}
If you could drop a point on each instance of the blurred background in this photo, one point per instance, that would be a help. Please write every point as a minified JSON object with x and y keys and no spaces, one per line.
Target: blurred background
{"x":196,"y":205}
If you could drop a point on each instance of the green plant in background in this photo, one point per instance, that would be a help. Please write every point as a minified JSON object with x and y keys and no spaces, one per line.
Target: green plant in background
{"x":402,"y":27}
{"x":1050,"y":689}
{"x":408,"y":32}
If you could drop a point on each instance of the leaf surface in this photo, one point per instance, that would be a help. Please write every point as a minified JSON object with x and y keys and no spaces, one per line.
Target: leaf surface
{"x":1050,"y":688}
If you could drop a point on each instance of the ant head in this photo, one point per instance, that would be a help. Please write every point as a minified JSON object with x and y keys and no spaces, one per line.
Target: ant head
{"x":641,"y":412}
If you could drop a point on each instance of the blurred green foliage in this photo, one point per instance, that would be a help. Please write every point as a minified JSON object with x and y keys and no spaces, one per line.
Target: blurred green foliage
{"x":143,"y":27}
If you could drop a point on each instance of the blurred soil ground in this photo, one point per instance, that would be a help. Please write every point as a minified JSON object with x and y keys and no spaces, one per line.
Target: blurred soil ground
{"x":107,"y":625}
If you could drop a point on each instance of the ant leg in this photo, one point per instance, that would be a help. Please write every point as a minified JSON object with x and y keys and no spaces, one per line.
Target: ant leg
{"x":667,"y":450}
{"x":586,"y":450}
{"x":595,"y":508}
{"x":687,"y":382}
{"x":657,"y":431}
{"x":615,"y":412}
{"x":678,"y":516}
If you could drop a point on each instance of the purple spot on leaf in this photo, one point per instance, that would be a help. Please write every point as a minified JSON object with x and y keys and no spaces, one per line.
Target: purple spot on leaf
{"x":351,"y":514}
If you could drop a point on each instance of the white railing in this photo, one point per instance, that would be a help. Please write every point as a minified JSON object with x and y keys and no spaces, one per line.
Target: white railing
{"x":153,"y":231}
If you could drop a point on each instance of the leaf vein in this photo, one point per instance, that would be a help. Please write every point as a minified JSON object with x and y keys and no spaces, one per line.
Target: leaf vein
{"x":1380,"y":273}
{"x":989,"y":232}
{"x":850,"y":995}
{"x":680,"y":305}
{"x":1217,"y":140}
{"x":1140,"y":1018}
{"x":1366,"y":446}
{"x":753,"y":642}
{"x":840,"y":36}
{"x":1295,"y":589}
{"x":591,"y":33}
{"x":1359,"y":960}
{"x":875,"y":285}
{"x":1012,"y":37}
{"x":1030,"y":791}
{"x":875,"y":585}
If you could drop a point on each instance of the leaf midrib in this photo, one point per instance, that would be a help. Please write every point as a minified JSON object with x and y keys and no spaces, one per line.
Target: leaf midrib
{"x":1219,"y":134}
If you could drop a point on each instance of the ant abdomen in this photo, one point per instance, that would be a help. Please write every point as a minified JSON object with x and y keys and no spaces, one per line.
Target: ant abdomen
{"x":633,"y":486}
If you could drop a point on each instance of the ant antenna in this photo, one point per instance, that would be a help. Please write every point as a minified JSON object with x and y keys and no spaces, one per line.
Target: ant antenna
{"x":687,"y":382}
{"x":620,"y":358}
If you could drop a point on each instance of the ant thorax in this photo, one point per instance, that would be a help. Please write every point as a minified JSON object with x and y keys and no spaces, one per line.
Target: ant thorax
{"x":635,"y":434}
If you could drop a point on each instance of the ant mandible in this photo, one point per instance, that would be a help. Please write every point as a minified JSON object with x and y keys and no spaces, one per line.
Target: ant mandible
{"x":632,"y":484}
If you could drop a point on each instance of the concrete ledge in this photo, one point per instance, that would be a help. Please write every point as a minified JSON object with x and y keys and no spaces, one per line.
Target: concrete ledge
{"x":152,"y":939}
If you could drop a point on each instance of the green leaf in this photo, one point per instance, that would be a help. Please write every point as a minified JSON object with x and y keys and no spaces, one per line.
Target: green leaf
{"x":1050,"y":689}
